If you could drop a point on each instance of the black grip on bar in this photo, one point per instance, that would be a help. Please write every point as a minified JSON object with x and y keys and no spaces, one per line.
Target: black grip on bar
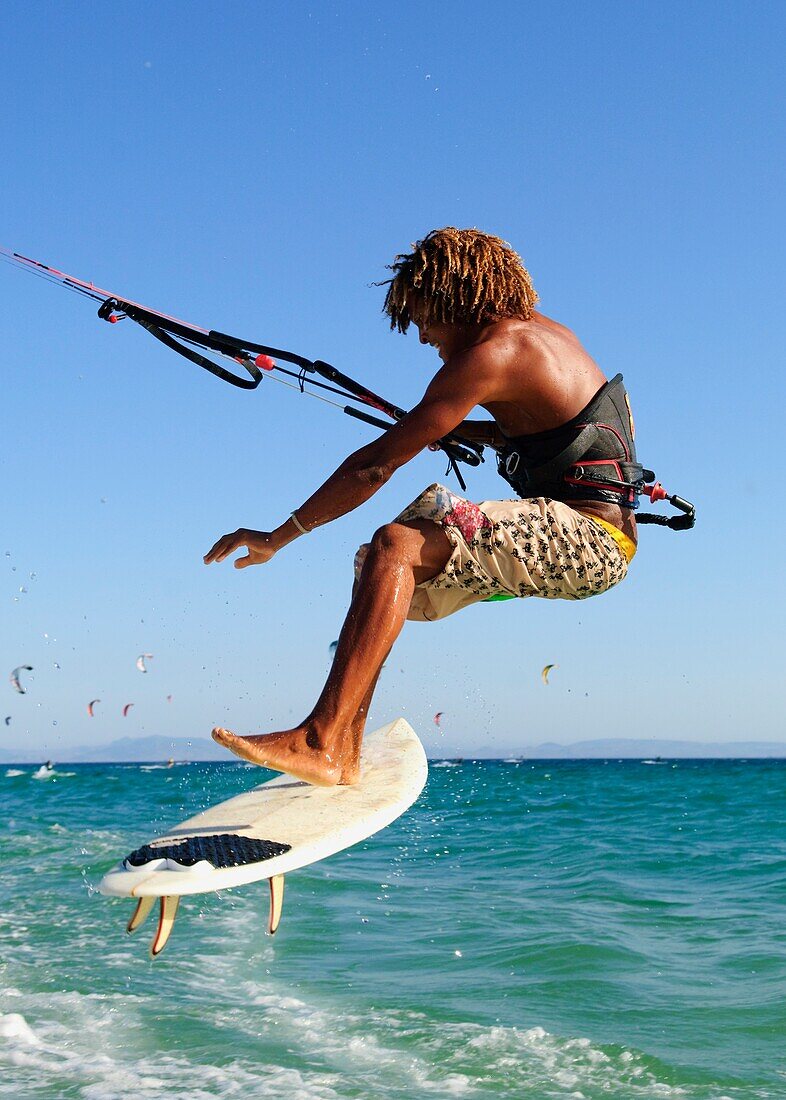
{"x":367,"y":418}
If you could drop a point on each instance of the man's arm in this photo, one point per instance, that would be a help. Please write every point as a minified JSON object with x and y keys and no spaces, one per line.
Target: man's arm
{"x":456,"y":389}
{"x":464,"y":382}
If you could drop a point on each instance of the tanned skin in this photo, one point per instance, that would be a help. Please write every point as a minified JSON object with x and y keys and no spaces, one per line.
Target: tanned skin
{"x":530,"y":376}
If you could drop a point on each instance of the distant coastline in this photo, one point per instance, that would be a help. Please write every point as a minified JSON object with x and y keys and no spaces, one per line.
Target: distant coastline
{"x":151,"y":750}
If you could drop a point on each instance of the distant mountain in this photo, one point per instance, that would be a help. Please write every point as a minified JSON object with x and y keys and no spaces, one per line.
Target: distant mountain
{"x":153,"y":749}
{"x":628,"y":748}
{"x":135,"y":750}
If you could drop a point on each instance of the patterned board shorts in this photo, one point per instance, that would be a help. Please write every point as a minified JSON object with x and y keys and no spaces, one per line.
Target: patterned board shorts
{"x":510,"y":548}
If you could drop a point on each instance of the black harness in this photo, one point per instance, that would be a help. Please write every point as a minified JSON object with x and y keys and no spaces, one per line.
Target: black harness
{"x":591,"y":457}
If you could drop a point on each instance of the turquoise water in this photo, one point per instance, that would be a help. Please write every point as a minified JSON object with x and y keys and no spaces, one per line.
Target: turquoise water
{"x":533,"y":930}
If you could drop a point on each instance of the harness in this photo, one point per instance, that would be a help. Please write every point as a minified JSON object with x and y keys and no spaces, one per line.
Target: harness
{"x":591,"y":457}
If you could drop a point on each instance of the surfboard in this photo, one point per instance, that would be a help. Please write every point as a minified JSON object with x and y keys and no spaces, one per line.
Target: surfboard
{"x":266,"y":832}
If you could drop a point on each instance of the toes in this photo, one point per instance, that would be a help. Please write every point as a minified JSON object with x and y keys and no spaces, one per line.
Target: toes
{"x":224,"y":737}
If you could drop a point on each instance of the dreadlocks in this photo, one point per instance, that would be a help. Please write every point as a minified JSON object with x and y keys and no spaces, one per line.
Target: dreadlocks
{"x":458,"y":276}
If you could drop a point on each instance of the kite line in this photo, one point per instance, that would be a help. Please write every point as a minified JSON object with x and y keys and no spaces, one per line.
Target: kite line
{"x":257,"y":360}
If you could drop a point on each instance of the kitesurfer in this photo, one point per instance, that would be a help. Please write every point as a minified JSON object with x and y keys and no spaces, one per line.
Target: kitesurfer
{"x":564,"y":440}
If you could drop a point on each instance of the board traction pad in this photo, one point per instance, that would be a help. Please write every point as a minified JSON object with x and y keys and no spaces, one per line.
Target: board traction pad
{"x":221,"y":850}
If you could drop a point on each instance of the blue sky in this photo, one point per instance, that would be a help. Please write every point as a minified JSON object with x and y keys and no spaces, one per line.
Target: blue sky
{"x":252,"y":167}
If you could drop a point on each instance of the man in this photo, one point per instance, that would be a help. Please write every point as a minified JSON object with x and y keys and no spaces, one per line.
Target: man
{"x":564,"y":438}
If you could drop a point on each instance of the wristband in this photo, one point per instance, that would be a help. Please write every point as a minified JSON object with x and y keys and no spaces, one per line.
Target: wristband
{"x":298,"y":524}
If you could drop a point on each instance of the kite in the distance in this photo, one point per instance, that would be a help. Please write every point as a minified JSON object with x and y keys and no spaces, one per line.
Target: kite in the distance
{"x":14,"y":677}
{"x":127,"y":708}
{"x":545,"y":673}
{"x":90,"y":706}
{"x":140,"y":661}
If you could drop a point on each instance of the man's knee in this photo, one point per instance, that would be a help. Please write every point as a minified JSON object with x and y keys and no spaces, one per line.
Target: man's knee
{"x":393,"y":540}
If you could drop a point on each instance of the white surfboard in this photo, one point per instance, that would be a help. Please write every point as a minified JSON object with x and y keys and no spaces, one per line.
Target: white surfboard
{"x":272,"y":829}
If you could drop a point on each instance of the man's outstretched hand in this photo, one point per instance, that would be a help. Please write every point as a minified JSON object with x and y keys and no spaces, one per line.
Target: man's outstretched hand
{"x":258,"y":543}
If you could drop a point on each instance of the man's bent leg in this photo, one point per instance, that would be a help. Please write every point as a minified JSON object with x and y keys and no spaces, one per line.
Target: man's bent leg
{"x":325,"y":749}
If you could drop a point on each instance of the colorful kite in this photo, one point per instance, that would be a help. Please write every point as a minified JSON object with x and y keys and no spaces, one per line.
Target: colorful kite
{"x":14,"y":677}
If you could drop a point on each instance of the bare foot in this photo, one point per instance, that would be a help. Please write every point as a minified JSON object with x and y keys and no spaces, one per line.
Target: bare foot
{"x":290,"y":752}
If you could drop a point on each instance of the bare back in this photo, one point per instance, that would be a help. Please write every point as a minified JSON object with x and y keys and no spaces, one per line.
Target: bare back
{"x":543,"y":377}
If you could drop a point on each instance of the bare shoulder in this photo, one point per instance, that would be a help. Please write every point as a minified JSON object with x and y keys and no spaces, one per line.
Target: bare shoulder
{"x":541,"y":335}
{"x":530,"y":350}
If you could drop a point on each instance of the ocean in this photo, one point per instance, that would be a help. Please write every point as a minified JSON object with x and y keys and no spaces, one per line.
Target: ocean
{"x":528,"y":930}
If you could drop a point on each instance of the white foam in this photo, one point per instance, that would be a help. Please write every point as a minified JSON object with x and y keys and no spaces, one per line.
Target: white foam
{"x":540,"y":1064}
{"x":98,"y":1047}
{"x":101,"y":1046}
{"x":15,"y":1028}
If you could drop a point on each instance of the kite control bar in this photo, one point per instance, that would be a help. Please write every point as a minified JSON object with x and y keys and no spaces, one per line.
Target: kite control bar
{"x":191,"y":341}
{"x":256,"y":358}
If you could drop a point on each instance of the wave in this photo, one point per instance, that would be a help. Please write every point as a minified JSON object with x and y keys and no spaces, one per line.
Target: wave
{"x":293,"y":1048}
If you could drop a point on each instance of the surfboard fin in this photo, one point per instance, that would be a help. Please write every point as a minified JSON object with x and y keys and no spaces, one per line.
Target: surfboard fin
{"x":166,"y":918}
{"x":140,"y":914}
{"x":276,"y":902}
